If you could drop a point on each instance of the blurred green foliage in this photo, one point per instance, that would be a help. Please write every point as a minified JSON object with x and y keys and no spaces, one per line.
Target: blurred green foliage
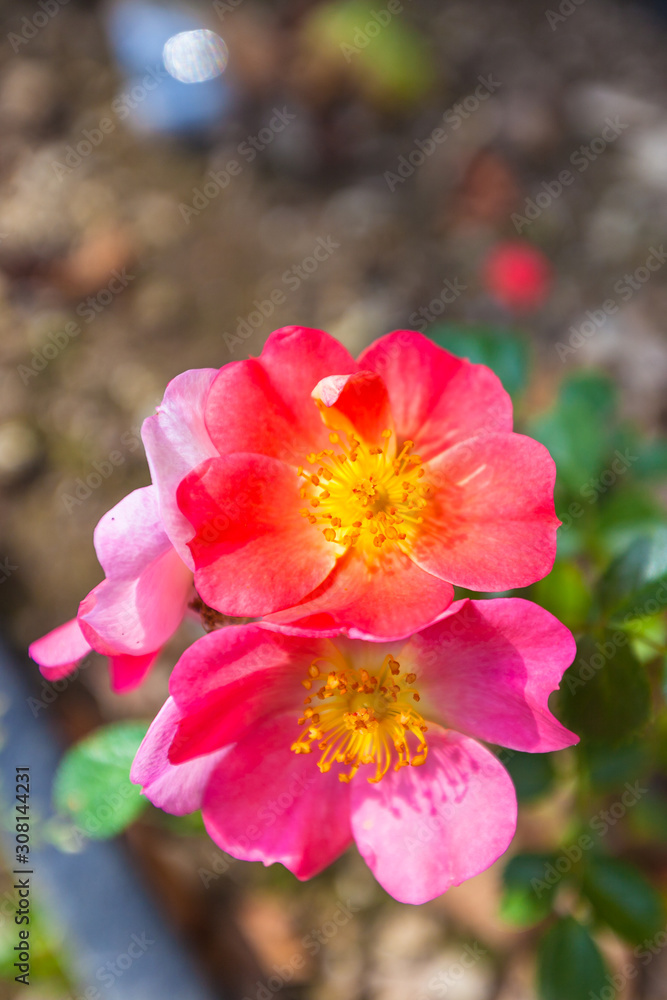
{"x":609,"y":586}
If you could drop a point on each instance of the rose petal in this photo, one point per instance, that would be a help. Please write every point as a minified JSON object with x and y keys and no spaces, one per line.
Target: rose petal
{"x":266,"y":803}
{"x":489,"y":668}
{"x":386,"y":601}
{"x":176,"y":440}
{"x":229,"y":680}
{"x":59,"y":652}
{"x":254,"y":552}
{"x":264,"y":405}
{"x":357,"y":404}
{"x":424,"y":829}
{"x":436,"y":398}
{"x":492,"y":524}
{"x":178,"y":790}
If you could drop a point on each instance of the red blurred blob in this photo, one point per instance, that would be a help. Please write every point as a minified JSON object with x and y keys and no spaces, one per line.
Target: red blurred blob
{"x":518,"y":275}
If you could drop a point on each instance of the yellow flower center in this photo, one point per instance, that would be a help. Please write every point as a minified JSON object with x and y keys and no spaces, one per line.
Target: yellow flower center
{"x":358,"y":718}
{"x":362,"y":497}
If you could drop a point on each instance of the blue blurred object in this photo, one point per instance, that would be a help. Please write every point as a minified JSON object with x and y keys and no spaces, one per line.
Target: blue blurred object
{"x":152,"y":100}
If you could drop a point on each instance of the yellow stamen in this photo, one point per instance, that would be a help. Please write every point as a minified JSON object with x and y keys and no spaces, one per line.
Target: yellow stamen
{"x":364,"y":718}
{"x":360,"y":494}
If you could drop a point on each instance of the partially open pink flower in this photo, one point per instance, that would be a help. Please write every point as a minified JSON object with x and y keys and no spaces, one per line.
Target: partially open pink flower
{"x":294,"y":744}
{"x":131,"y":614}
{"x":337,"y":494}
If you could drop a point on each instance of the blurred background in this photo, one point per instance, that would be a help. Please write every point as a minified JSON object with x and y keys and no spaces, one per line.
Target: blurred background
{"x":179,"y":179}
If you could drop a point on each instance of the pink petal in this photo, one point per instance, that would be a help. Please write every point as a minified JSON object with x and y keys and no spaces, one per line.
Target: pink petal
{"x":177,"y":790}
{"x":143,"y":600}
{"x":131,"y":535}
{"x":254,"y":552}
{"x":176,"y":440}
{"x":356,"y":404}
{"x":232,"y":678}
{"x":488,"y":668}
{"x":264,"y":405}
{"x":424,"y":829}
{"x":127,"y":672}
{"x":266,"y":803}
{"x":59,"y":652}
{"x":386,"y":601}
{"x":492,"y":525}
{"x":436,"y":398}
{"x":137,"y":616}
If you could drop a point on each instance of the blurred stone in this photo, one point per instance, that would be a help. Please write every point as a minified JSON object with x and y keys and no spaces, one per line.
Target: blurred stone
{"x":20,"y":450}
{"x":28,"y":94}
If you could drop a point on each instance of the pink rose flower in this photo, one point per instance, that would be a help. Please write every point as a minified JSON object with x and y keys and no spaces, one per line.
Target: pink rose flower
{"x":294,"y":744}
{"x":316,"y":490}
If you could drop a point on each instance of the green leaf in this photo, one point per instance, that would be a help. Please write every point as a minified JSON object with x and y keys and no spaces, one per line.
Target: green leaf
{"x":92,"y":784}
{"x":503,"y":352}
{"x":636,"y":583}
{"x":623,"y":899}
{"x":565,"y":593}
{"x":569,"y":964}
{"x":578,"y":430}
{"x":628,"y":514}
{"x":652,"y":461}
{"x":532,"y":773}
{"x":611,"y":767}
{"x":527,"y":898}
{"x":393,"y":63}
{"x":605,"y":694}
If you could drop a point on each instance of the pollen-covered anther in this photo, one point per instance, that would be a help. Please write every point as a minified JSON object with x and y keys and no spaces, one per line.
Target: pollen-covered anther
{"x":363,"y":495}
{"x":363,"y":718}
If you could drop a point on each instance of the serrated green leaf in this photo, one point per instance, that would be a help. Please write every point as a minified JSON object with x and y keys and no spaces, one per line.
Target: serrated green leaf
{"x":92,"y":784}
{"x":605,"y":694}
{"x":570,"y":966}
{"x":623,"y":899}
{"x":502,"y":351}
